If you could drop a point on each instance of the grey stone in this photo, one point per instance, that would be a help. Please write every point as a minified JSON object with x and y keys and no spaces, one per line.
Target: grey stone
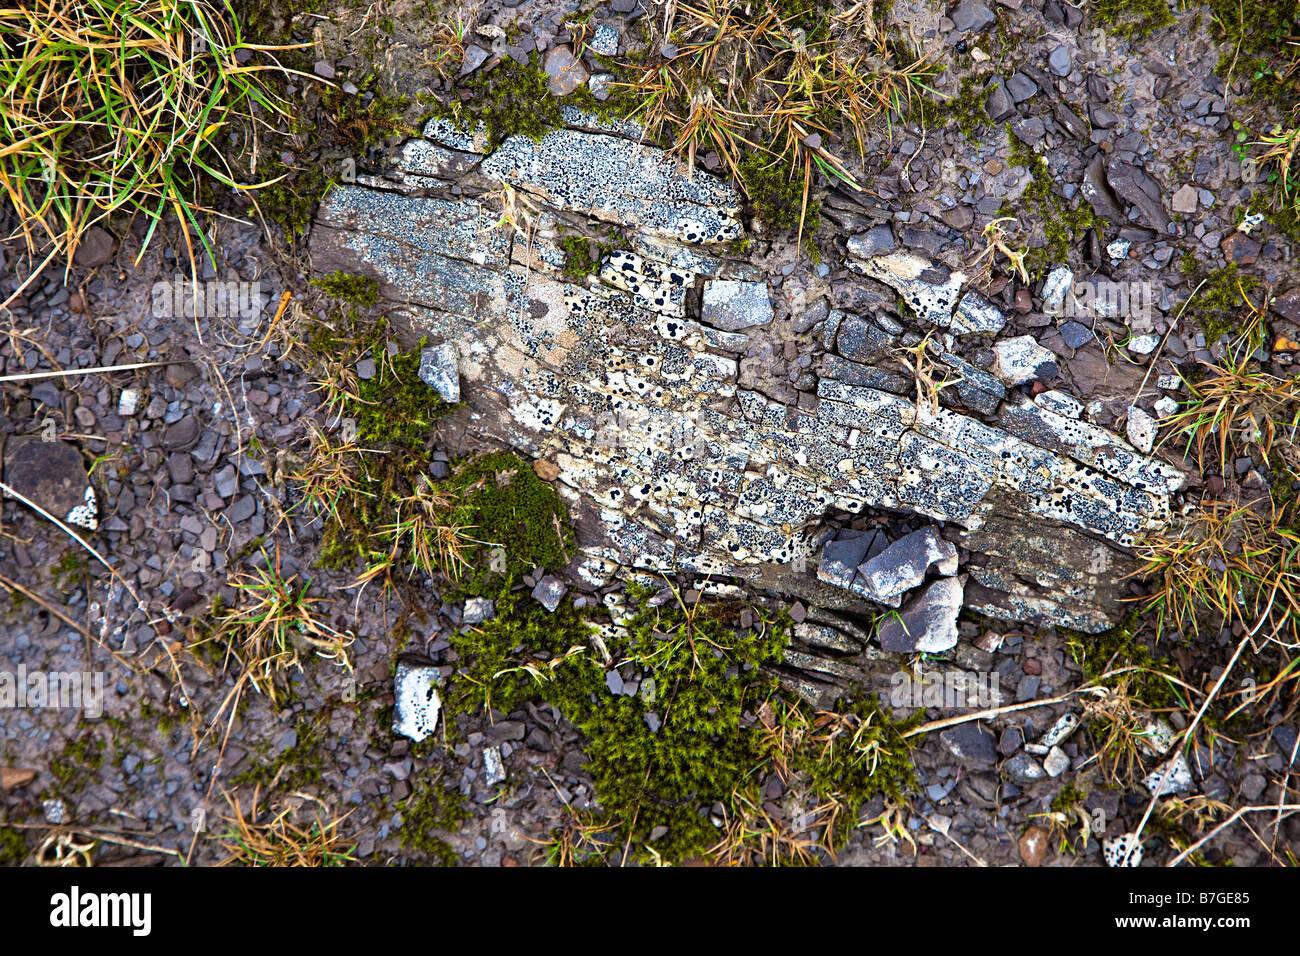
{"x":549,"y":591}
{"x":998,"y":104}
{"x":972,"y":744}
{"x":928,"y":622}
{"x":1059,"y":61}
{"x":1075,"y":334}
{"x":243,"y":509}
{"x":731,"y":305}
{"x":1024,"y":769}
{"x":477,"y":610}
{"x":902,"y":565}
{"x":440,"y":371}
{"x":971,"y":16}
{"x":876,"y":240}
{"x":1021,"y":87}
{"x":566,"y":71}
{"x":1184,"y":200}
{"x":840,"y":559}
{"x":1136,"y":187}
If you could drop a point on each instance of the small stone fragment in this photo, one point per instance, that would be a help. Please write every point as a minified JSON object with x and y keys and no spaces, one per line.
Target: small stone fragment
{"x":903,"y":564}
{"x":1022,"y":359}
{"x":416,"y":703}
{"x":928,"y":622}
{"x":1141,"y":429}
{"x":566,"y":71}
{"x":1174,"y":777}
{"x":1184,"y":200}
{"x":1033,"y":846}
{"x":1057,"y":285}
{"x":731,"y":305}
{"x":549,"y":592}
{"x":477,"y":610}
{"x":438,"y":370}
{"x":1123,"y":850}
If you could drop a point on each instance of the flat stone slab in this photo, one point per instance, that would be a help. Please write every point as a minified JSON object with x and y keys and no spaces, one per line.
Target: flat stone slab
{"x":671,"y":455}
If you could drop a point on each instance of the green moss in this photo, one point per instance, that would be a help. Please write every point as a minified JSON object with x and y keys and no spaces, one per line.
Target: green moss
{"x":297,"y":767}
{"x":429,"y":807}
{"x":291,"y":202}
{"x":965,"y":110}
{"x":583,"y":256}
{"x":776,"y":195}
{"x":688,"y":739}
{"x":396,"y":406}
{"x":1254,"y":27}
{"x":360,"y":124}
{"x":511,"y":99}
{"x":1120,"y":647}
{"x":521,"y":518}
{"x":1218,"y":305}
{"x":1063,"y":225}
{"x":356,"y":289}
{"x":1132,"y":19}
{"x":1067,"y":799}
{"x":13,"y":848}
{"x":67,"y":573}
{"x":77,"y":763}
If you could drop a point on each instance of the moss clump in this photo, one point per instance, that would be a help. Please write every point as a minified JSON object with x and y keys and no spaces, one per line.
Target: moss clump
{"x":521,"y":518}
{"x":291,"y":202}
{"x":1062,"y":225}
{"x":1132,"y":19}
{"x":776,"y":194}
{"x":361,"y":125}
{"x":431,"y":806}
{"x":13,"y":848}
{"x":396,"y":407}
{"x":511,"y":99}
{"x":688,"y":739}
{"x":965,"y":110}
{"x":1218,"y":305}
{"x":296,"y":768}
{"x":356,"y":289}
{"x":1069,"y":797}
{"x":77,"y":764}
{"x":583,"y":256}
{"x":1119,"y":647}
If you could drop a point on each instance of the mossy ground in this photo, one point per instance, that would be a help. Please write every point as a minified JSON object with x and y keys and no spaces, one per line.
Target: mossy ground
{"x":689,"y":740}
{"x":1218,"y":305}
{"x":1132,"y":19}
{"x":1063,"y":225}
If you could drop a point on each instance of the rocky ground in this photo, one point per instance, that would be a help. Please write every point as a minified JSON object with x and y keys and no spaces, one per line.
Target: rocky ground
{"x":821,"y":480}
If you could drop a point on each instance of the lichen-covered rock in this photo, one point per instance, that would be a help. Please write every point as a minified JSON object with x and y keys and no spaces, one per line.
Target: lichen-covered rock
{"x":662,"y":425}
{"x":438,"y":370}
{"x":731,"y":306}
{"x":1022,"y":359}
{"x":619,"y":181}
{"x":416,"y":703}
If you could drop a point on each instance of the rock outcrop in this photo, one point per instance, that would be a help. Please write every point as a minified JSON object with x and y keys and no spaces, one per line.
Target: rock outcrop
{"x":647,"y":386}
